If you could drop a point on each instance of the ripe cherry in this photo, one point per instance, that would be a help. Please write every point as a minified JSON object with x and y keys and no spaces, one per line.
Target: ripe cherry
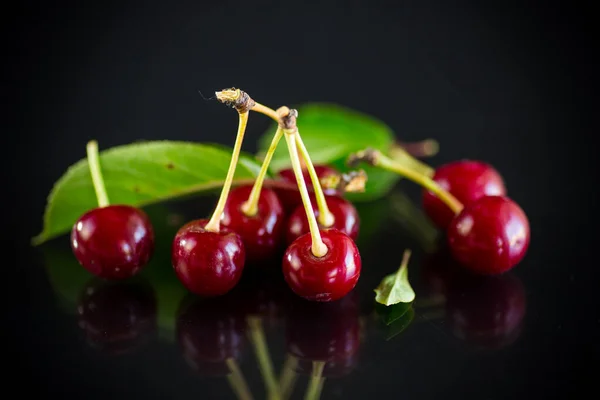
{"x":262,"y":233}
{"x":207,"y":258}
{"x":326,"y":278}
{"x":208,"y":263}
{"x":210,"y":331}
{"x":290,"y":198}
{"x":345,"y":218}
{"x":490,"y":235}
{"x":117,"y":317}
{"x":467,"y":180}
{"x":111,"y":241}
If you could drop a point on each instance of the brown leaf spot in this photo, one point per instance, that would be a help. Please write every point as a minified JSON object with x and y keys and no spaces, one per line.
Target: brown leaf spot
{"x":170,"y":165}
{"x":136,"y":189}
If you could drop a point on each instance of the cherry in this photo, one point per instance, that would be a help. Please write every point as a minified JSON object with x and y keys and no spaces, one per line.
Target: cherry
{"x":117,"y":316}
{"x":290,"y":198}
{"x":345,"y":218}
{"x":261,"y":233}
{"x":490,"y":235}
{"x":326,"y":278}
{"x":111,"y":241}
{"x":486,"y":311}
{"x":467,"y":180}
{"x":208,"y":332}
{"x":208,"y":263}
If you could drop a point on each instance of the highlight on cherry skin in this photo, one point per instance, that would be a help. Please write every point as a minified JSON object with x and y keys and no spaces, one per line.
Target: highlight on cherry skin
{"x":262,"y":233}
{"x":467,"y":180}
{"x":325,"y":278}
{"x":345,"y":218}
{"x":113,"y":242}
{"x":207,"y":263}
{"x":490,"y":235}
{"x":290,"y":198}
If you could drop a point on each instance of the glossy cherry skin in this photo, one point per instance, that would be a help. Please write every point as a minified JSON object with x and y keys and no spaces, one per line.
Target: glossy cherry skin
{"x":208,"y":332}
{"x":113,"y":242}
{"x":290,"y":198}
{"x":346,"y":218}
{"x":489,"y":236}
{"x":466,"y":180}
{"x":207,"y":263}
{"x":117,"y":317}
{"x":262,"y":233}
{"x":325,"y":278}
{"x":486,"y":311}
{"x":327,"y":332}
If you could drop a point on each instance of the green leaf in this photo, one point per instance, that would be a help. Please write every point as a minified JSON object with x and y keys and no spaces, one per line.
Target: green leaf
{"x":140,"y":174}
{"x":399,"y":325}
{"x":330,"y":133}
{"x":395,"y":288}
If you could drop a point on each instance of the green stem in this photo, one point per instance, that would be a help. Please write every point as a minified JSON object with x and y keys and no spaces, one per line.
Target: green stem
{"x":386,"y":163}
{"x":97,"y":180}
{"x":401,"y":156}
{"x":214,"y":222}
{"x":288,"y":376}
{"x":250,"y":207}
{"x":318,"y":248}
{"x":326,"y":218}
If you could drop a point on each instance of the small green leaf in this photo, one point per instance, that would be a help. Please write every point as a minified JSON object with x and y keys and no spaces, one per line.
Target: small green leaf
{"x":395,"y":288}
{"x":330,"y":133}
{"x":140,"y":174}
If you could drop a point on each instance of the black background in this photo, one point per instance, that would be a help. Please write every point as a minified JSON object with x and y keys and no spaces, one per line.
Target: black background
{"x":511,"y":84}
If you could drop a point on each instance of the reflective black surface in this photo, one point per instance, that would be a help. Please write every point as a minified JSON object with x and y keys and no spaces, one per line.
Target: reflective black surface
{"x":508,"y":85}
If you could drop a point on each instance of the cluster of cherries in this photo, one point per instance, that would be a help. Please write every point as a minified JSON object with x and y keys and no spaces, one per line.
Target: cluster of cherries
{"x":487,"y":232}
{"x":250,"y":224}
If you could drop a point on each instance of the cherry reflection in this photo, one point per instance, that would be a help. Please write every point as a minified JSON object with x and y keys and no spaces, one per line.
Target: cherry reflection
{"x":485,"y":311}
{"x":117,"y":317}
{"x":211,"y":331}
{"x":324,"y":332}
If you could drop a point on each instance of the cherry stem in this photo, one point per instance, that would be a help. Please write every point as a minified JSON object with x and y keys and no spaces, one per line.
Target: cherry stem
{"x":269,"y":112}
{"x":250,"y":206}
{"x":214,"y":222}
{"x":318,"y":248}
{"x":97,"y":180}
{"x":257,"y":337}
{"x":237,"y":381}
{"x":326,"y":218}
{"x":403,"y":156}
{"x":315,"y":385}
{"x":288,"y":376}
{"x":377,"y":159}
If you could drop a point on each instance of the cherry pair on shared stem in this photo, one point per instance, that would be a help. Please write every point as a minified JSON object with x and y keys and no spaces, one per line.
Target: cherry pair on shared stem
{"x":111,"y":241}
{"x":323,"y":264}
{"x":490,"y":235}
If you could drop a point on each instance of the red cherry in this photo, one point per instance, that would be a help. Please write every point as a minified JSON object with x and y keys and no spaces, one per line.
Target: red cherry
{"x":117,"y":317}
{"x":207,"y":263}
{"x":113,"y":242}
{"x":346,"y":218}
{"x":261,"y":233}
{"x":325,"y":278}
{"x":467,"y":181}
{"x":489,"y":236}
{"x":209,"y":331}
{"x":486,"y":310}
{"x":290,"y":198}
{"x":324,"y":332}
